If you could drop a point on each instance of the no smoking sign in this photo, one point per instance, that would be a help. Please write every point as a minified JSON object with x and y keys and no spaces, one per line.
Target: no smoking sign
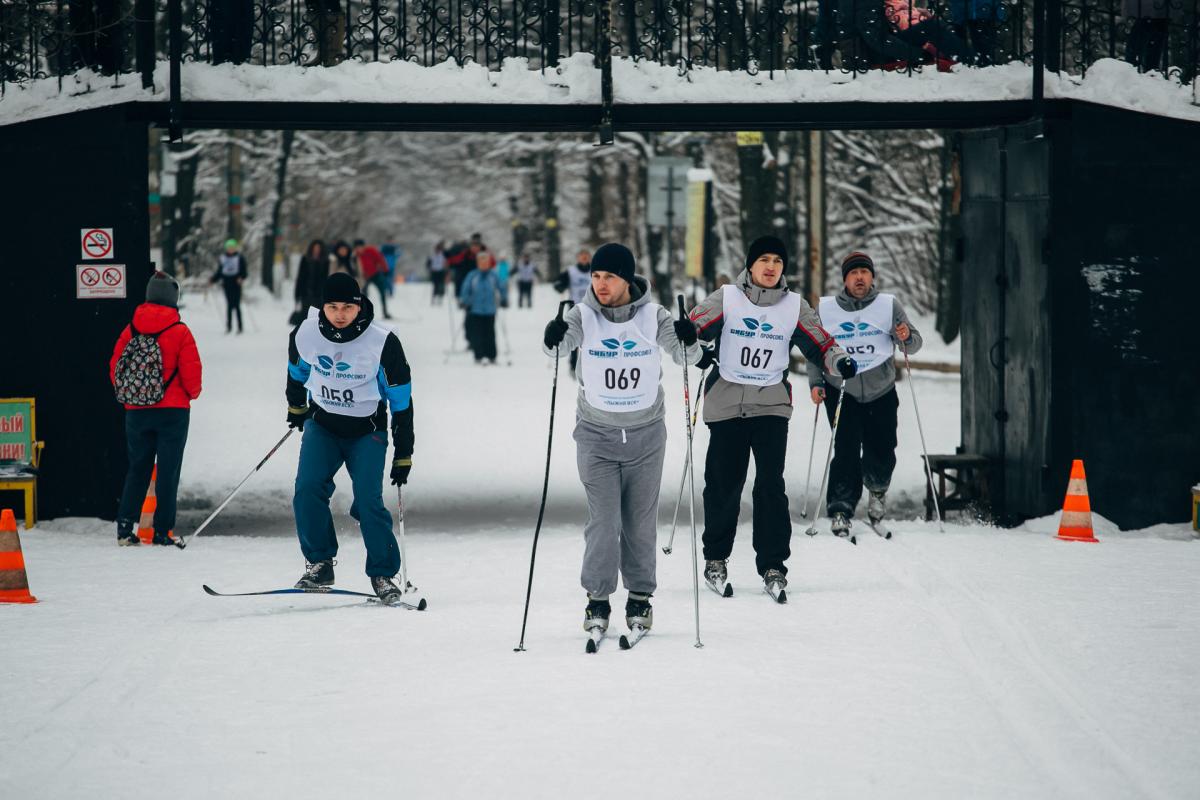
{"x":96,"y":244}
{"x":100,"y":281}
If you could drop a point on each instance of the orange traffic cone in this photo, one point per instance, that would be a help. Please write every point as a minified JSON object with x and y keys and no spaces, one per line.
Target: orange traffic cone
{"x":1076,"y":522}
{"x":14,"y":584}
{"x":149,"y":506}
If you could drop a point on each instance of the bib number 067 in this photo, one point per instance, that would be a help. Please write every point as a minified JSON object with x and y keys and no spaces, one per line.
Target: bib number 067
{"x":622,"y":379}
{"x":753,"y":357}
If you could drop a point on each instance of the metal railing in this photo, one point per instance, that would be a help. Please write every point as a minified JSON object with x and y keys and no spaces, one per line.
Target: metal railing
{"x":55,"y":38}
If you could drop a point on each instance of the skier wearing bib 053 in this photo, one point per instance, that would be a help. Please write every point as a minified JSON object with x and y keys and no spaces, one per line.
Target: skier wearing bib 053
{"x":342,"y":371}
{"x":755,"y":321}
{"x":620,"y":435}
{"x":869,"y":324}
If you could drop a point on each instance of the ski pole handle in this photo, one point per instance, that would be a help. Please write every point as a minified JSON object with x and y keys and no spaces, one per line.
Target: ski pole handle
{"x":682,"y":310}
{"x":562,"y":307}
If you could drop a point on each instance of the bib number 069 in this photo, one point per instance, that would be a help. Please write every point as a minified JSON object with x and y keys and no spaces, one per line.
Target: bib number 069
{"x":622,"y":379}
{"x":753,"y":357}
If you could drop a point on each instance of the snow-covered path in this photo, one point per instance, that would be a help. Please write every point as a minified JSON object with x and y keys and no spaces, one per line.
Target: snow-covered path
{"x":975,"y":663}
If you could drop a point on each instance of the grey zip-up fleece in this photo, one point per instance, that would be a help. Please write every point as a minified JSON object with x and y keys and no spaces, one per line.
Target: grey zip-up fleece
{"x":725,"y":400}
{"x":667,"y":340}
{"x":874,"y":383}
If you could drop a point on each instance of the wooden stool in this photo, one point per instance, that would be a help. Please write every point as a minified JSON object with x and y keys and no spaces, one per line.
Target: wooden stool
{"x":962,"y":481}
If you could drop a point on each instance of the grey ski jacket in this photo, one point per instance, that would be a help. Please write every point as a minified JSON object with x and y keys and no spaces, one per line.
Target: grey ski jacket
{"x":874,"y":383}
{"x":725,"y":400}
{"x":639,"y":291}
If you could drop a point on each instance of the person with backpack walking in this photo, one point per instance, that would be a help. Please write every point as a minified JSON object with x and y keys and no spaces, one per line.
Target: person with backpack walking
{"x":344,"y":372}
{"x":231,"y":273}
{"x":156,"y":372}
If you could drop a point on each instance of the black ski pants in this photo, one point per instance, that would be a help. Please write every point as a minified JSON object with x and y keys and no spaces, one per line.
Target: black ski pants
{"x":524,"y":294}
{"x":153,"y":434}
{"x":233,"y":303}
{"x":864,"y":451}
{"x":481,"y":335}
{"x":730,"y":443}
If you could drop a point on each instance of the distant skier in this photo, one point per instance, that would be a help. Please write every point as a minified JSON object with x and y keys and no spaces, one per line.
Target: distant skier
{"x":375,"y":272}
{"x":342,"y":370}
{"x":526,"y":274}
{"x":343,"y":260}
{"x":231,"y":274}
{"x":619,"y":432}
{"x":156,"y":372}
{"x":576,"y":282}
{"x":482,"y":293}
{"x":310,"y":278}
{"x":755,"y":322}
{"x":869,"y":324}
{"x":437,"y":273}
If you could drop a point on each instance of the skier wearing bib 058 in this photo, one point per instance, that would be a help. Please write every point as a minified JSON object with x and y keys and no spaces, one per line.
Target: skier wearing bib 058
{"x":342,"y":371}
{"x":869,"y":324}
{"x":619,"y":433}
{"x":755,"y":321}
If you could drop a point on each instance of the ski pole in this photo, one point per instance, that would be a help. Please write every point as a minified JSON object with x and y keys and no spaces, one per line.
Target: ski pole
{"x":920,"y":430}
{"x":404,"y":584}
{"x":545,"y":482}
{"x":686,"y":468}
{"x":837,"y":416}
{"x":182,"y":543}
{"x":811,"y":448}
{"x":687,"y":416}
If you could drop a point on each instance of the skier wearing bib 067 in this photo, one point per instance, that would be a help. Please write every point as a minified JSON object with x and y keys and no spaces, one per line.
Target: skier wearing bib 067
{"x":869,"y":324}
{"x":343,"y":369}
{"x":620,"y":435}
{"x":755,"y":321}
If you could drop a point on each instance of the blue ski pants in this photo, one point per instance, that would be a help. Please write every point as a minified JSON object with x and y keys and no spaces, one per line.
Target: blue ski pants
{"x":321,"y":456}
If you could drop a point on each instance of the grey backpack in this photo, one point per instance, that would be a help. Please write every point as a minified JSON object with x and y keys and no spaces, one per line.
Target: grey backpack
{"x":138,"y":379}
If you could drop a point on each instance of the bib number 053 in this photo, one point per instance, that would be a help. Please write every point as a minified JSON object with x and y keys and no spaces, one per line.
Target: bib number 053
{"x":622,"y":379}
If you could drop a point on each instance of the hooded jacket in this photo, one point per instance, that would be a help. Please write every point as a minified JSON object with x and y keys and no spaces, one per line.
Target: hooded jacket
{"x":182,"y":370}
{"x":874,"y":383}
{"x":667,"y":340}
{"x":394,"y":378}
{"x":726,"y":400}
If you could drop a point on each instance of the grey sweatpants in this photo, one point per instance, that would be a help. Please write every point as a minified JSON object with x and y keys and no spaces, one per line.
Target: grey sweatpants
{"x":621,"y":471}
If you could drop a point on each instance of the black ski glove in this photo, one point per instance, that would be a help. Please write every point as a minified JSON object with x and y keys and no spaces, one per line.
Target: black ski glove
{"x":846,"y":367}
{"x":297,"y":416}
{"x":685,"y":331}
{"x":556,"y":331}
{"x":707,"y":359}
{"x":400,"y":469}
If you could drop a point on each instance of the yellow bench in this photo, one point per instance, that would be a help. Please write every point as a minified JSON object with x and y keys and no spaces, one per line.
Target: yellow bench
{"x":20,"y":451}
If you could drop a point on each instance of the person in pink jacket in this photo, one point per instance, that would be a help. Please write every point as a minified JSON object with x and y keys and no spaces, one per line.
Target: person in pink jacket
{"x":920,"y":27}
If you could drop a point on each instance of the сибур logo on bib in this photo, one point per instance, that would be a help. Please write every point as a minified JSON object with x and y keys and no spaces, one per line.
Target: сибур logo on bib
{"x":757,"y":327}
{"x":326,"y":365}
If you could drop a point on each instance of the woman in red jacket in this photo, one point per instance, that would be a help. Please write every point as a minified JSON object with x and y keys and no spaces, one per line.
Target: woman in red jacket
{"x":155,"y":370}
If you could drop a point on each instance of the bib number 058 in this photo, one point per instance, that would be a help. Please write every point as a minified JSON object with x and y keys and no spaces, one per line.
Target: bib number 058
{"x":622,"y":379}
{"x":337,"y":395}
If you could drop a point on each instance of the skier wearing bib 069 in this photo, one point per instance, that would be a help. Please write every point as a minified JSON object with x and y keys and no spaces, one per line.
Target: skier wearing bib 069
{"x":869,"y":324}
{"x":620,"y":434}
{"x":343,"y":369}
{"x":755,"y":321}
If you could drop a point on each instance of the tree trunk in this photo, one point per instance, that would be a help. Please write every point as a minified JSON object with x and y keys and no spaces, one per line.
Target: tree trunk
{"x":550,"y":214}
{"x":595,"y":208}
{"x":272,"y":239}
{"x":758,"y":178}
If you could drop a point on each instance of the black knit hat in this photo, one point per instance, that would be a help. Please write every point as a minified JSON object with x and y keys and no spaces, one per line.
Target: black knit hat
{"x":767,"y":244}
{"x":341,"y":288}
{"x":163,"y":290}
{"x":614,"y":258}
{"x":857,"y":260}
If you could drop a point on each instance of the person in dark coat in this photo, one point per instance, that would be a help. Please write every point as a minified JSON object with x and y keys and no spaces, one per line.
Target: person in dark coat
{"x":1147,"y":40}
{"x":310,"y":279}
{"x":231,"y":274}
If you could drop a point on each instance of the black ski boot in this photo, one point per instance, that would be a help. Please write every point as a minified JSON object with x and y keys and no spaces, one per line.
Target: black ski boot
{"x":774,"y":582}
{"x":877,"y":506}
{"x":841,"y":525}
{"x":596,"y":614}
{"x":638,"y":611}
{"x":716,"y":575}
{"x":126,"y":535}
{"x":316,"y":575}
{"x":162,"y":538}
{"x":386,"y":589}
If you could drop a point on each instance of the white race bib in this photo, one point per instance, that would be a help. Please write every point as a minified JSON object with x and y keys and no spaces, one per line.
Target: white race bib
{"x":755,"y":339}
{"x":866,"y":335}
{"x":230,"y":265}
{"x":344,"y":378}
{"x":580,"y":282}
{"x":620,"y":362}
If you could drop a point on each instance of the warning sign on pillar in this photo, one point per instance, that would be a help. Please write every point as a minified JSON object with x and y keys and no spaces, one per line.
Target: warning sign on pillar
{"x":100,"y":281}
{"x":96,"y":243}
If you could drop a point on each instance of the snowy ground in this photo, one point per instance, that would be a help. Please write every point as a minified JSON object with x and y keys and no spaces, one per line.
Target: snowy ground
{"x":976,"y":663}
